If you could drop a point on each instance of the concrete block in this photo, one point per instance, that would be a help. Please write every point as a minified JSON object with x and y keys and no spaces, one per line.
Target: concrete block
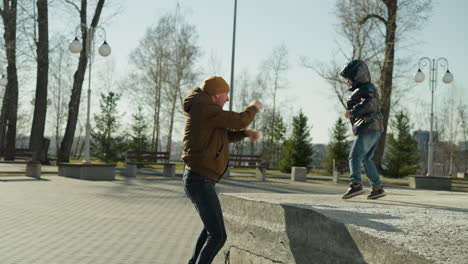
{"x":101,"y":172}
{"x":298,"y":174}
{"x":260,"y":173}
{"x":131,"y":170}
{"x":61,"y":170}
{"x":88,"y":171}
{"x":239,"y":256}
{"x":335,"y":176}
{"x":169,"y":170}
{"x":71,"y":171}
{"x":462,"y":175}
{"x":33,"y":169}
{"x":263,"y":232}
{"x":430,"y":182}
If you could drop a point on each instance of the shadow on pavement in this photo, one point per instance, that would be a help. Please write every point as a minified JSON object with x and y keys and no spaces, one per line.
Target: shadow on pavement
{"x":353,"y":217}
{"x":4,"y":179}
{"x":139,"y":188}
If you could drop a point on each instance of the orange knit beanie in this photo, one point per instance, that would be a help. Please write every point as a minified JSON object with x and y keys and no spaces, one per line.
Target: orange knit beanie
{"x":214,"y":85}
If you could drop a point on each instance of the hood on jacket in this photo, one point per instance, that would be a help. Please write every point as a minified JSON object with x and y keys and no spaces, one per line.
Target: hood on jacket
{"x":196,"y":96}
{"x":356,"y":71}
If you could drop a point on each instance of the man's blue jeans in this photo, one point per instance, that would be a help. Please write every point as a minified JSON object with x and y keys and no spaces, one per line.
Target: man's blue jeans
{"x":362,"y":153}
{"x":201,"y":191}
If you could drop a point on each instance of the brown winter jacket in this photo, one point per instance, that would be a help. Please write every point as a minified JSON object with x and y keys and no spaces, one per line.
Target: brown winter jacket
{"x":208,"y":131}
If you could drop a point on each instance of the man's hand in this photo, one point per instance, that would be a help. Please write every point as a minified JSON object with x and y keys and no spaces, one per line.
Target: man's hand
{"x":254,"y":135}
{"x":347,"y":115}
{"x":256,"y":103}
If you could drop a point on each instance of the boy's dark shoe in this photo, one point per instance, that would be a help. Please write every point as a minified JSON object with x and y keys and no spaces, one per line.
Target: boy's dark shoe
{"x":376,"y":193}
{"x":353,"y":191}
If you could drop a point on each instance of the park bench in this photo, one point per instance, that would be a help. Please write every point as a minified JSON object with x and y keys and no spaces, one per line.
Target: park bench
{"x":24,"y":156}
{"x":247,"y":161}
{"x":135,"y":158}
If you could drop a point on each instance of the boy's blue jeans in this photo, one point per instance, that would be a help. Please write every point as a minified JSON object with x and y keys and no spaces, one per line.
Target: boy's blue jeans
{"x":201,"y":191}
{"x":362,"y":153}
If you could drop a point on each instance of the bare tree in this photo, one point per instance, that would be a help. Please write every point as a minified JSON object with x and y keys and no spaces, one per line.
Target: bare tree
{"x":215,"y":65}
{"x":242,"y":95}
{"x":370,"y":28}
{"x":275,"y":68}
{"x":273,"y":71}
{"x":60,"y":73}
{"x":73,"y":107}
{"x":40,"y":105}
{"x":151,"y":59}
{"x":184,"y":53}
{"x":463,"y":126}
{"x":451,"y":116}
{"x":8,"y":115}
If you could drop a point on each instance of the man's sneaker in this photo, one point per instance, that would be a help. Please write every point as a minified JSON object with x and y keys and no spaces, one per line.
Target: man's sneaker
{"x":376,"y":193}
{"x":353,"y":191}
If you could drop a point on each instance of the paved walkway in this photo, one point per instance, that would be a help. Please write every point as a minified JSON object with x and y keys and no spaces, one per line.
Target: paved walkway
{"x":146,"y":220}
{"x":143,"y":220}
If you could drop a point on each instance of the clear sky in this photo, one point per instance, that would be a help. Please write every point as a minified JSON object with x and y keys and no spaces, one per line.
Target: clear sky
{"x":306,"y":27}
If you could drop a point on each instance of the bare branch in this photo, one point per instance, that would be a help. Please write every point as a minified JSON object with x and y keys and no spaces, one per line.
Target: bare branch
{"x":373,"y":16}
{"x":73,"y":4}
{"x":97,"y":14}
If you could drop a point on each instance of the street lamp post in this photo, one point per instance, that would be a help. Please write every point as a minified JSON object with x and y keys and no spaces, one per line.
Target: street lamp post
{"x":232,"y":56}
{"x":104,"y":50}
{"x":446,"y":78}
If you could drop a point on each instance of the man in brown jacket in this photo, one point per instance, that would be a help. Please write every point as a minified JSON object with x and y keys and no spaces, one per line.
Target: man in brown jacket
{"x":208,"y":131}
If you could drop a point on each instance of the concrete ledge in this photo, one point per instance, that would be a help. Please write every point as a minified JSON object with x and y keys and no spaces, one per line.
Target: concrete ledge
{"x":298,"y":228}
{"x":430,"y":182}
{"x":88,"y":171}
{"x":240,"y":256}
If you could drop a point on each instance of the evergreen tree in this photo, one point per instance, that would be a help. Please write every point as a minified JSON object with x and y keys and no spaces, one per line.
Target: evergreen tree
{"x":139,"y":141}
{"x":401,"y":158}
{"x":338,"y":148}
{"x":297,"y":150}
{"x":106,"y":145}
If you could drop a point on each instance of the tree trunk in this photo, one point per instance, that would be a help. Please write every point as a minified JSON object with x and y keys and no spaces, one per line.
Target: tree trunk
{"x":40,"y":105}
{"x":74,"y":105}
{"x":153,"y":134}
{"x":171,"y":124}
{"x":386,"y":78}
{"x":3,"y":121}
{"x":158,"y":114}
{"x":10,"y":102}
{"x":156,"y":120}
{"x":58,"y":121}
